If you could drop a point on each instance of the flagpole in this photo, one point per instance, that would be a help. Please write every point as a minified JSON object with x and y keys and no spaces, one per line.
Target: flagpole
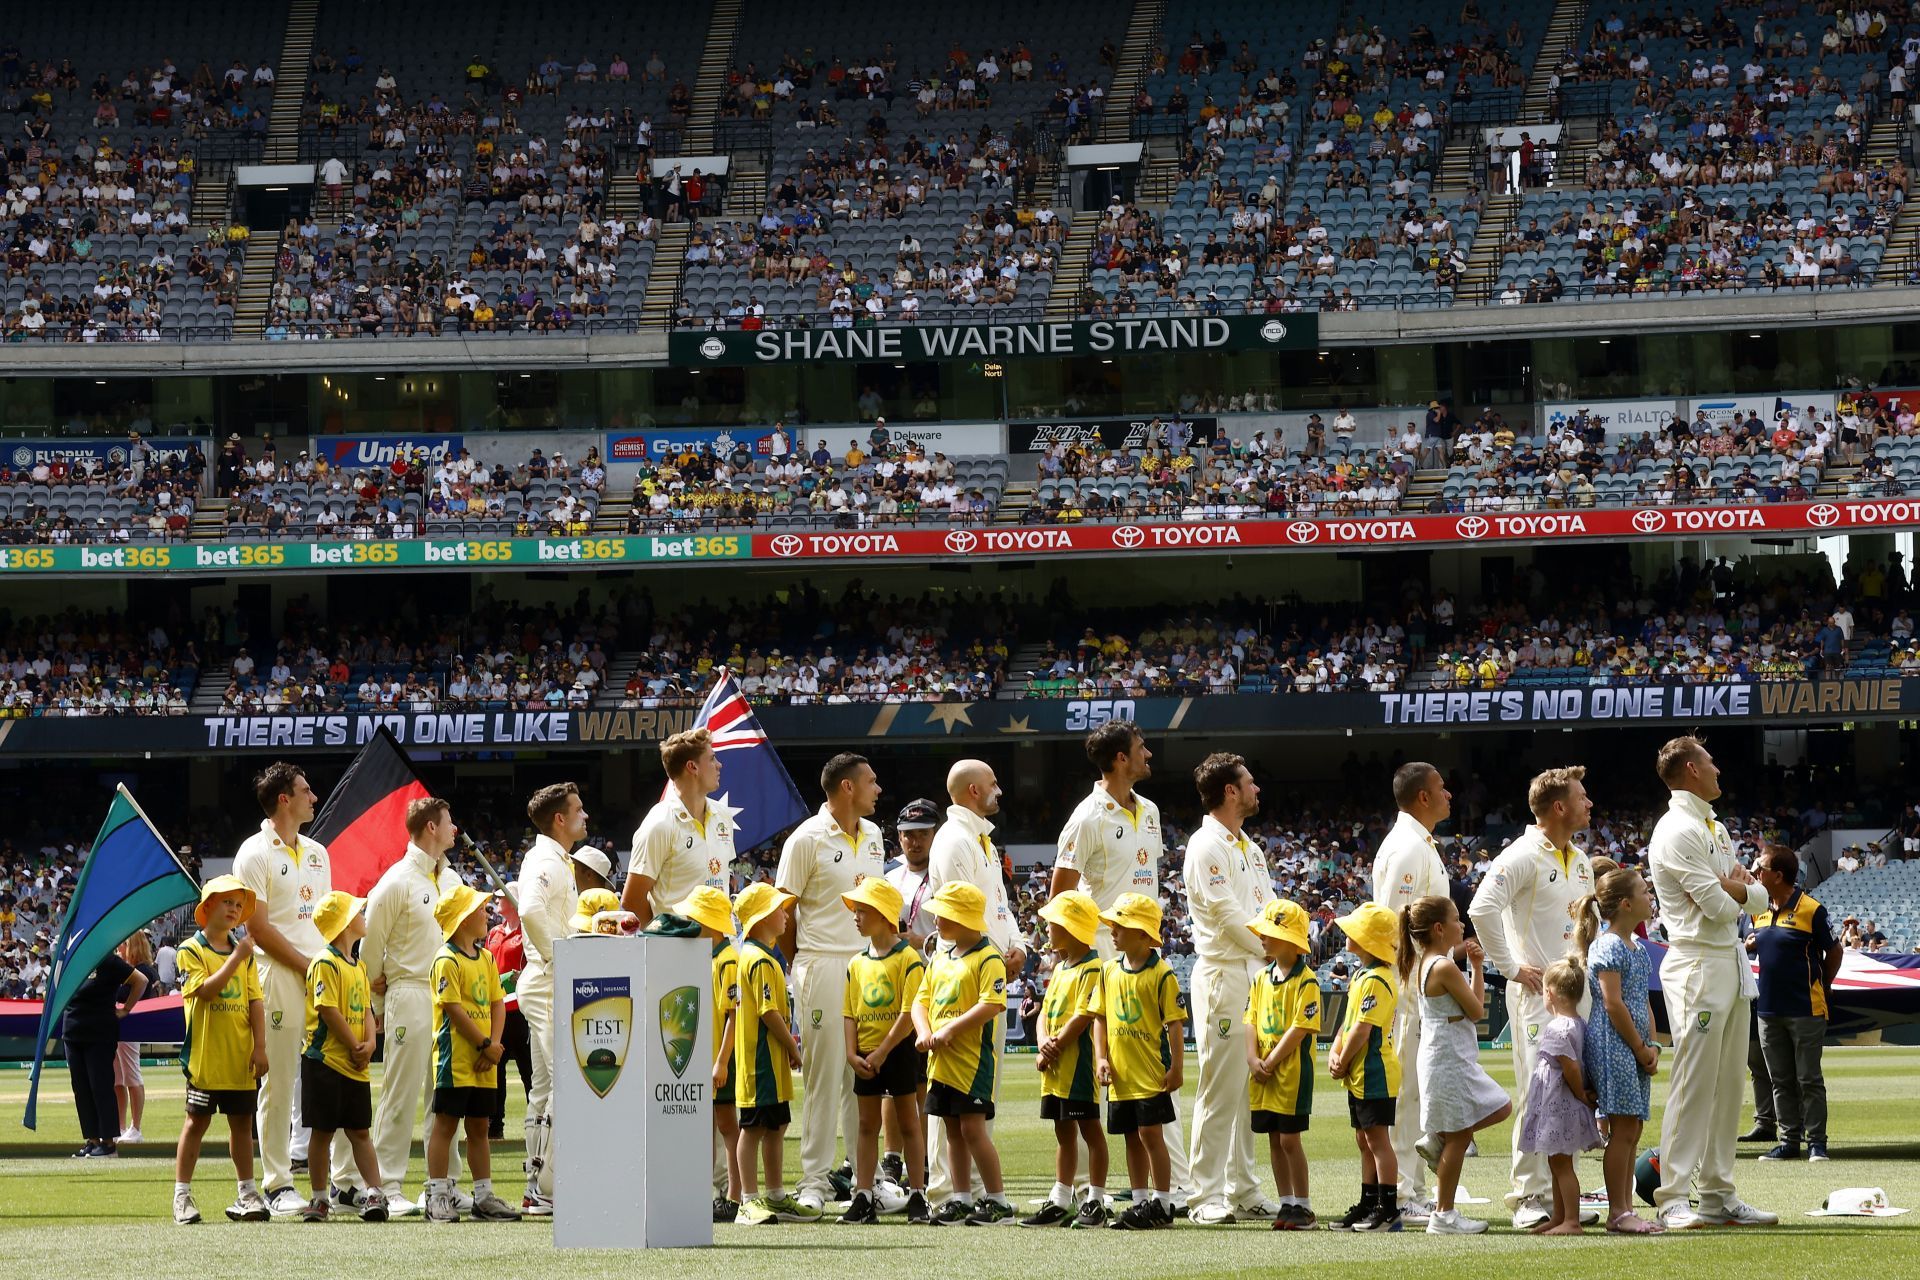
{"x":474,"y":851}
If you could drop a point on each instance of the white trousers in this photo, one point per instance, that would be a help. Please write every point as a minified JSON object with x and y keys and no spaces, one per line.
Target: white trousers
{"x":1700,"y":1129}
{"x":1221,"y":1168}
{"x":536,"y":1006}
{"x":406,"y":1083}
{"x":828,"y":1109}
{"x":1407,"y":1131}
{"x":1526,"y":1015}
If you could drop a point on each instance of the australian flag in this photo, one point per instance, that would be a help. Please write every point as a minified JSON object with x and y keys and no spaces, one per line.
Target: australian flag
{"x":749,"y":768}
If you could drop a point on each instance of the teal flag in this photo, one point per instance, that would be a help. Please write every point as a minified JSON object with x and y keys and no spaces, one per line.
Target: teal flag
{"x":131,"y":878}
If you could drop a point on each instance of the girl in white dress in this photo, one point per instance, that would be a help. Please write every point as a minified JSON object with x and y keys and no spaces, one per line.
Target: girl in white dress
{"x":1457,"y":1097}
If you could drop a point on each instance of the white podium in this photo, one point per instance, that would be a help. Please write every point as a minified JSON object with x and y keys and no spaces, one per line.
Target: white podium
{"x":632,"y":1093}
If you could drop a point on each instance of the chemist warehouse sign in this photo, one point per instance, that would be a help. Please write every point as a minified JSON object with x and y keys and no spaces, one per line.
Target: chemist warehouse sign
{"x":1131,"y":336}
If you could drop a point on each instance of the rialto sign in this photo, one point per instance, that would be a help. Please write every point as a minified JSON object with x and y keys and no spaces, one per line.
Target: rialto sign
{"x":1129,"y":336}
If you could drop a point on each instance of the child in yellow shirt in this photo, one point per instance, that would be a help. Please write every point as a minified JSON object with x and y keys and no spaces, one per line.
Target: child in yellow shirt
{"x":1139,"y":1054}
{"x":1283,"y":1013}
{"x":1069,"y":1095}
{"x":1365,"y":1058}
{"x":707,"y":907}
{"x":226,"y":1049}
{"x":469,"y":1015}
{"x":882,"y":982}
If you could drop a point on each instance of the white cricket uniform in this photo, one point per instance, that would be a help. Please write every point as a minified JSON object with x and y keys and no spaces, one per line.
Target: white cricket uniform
{"x":1523,"y":915}
{"x":963,"y":850}
{"x":1118,"y":850}
{"x":402,"y":939}
{"x":819,"y":863}
{"x":1227,"y":884}
{"x":679,"y":852}
{"x":288,"y":884}
{"x":916,"y":890}
{"x":1407,"y":867}
{"x":1710,"y":989}
{"x":547,"y":904}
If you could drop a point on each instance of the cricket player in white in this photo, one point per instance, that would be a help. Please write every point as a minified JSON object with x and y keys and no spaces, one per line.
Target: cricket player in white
{"x":1523,"y":914}
{"x":684,"y":841}
{"x":288,"y":874}
{"x":963,"y":850}
{"x":1406,"y":868}
{"x":1113,"y":844}
{"x":1227,"y":884}
{"x":402,"y":940}
{"x":548,"y":897}
{"x":824,"y":858}
{"x":1710,"y":987}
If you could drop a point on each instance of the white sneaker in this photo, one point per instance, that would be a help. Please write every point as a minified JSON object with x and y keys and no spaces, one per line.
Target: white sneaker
{"x":185,"y":1211}
{"x":440,"y":1207}
{"x":1212,"y":1214}
{"x":1428,"y":1149}
{"x":462,"y":1200}
{"x":1530,"y":1213}
{"x":535,"y":1205}
{"x":1738,"y":1213}
{"x":398,"y":1206}
{"x":1681,"y":1217}
{"x":1450,"y":1222}
{"x":248,"y":1207}
{"x":1589,"y":1215}
{"x":286,"y":1203}
{"x":1415,"y":1212}
{"x":1258,"y":1207}
{"x":888,"y":1197}
{"x":811,"y":1199}
{"x":131,"y":1135}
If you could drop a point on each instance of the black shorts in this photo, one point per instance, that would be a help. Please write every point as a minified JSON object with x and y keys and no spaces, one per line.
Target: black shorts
{"x":723,"y":1096}
{"x":1370,"y":1113}
{"x":1279,"y":1122}
{"x":1135,"y":1114}
{"x":774,"y":1115}
{"x":1052,"y":1108}
{"x":331,"y":1102}
{"x":222,"y":1102}
{"x":467,"y":1102}
{"x":900,"y":1075}
{"x":945,"y":1100}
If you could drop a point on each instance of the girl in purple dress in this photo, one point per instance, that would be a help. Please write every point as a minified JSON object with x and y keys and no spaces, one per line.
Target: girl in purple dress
{"x":1559,"y":1122}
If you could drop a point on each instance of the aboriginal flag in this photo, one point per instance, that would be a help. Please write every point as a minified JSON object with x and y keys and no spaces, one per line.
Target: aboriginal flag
{"x":364,"y":822}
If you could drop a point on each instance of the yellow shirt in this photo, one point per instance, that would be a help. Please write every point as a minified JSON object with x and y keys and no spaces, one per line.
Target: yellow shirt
{"x":472,"y":983}
{"x":955,"y":984}
{"x":762,"y":1072}
{"x":1375,"y":1071}
{"x":335,"y":982}
{"x":1068,"y":992}
{"x":879,"y":987}
{"x":218,"y":1052}
{"x":1139,"y":1006}
{"x":1279,"y":1003}
{"x":726,"y":990}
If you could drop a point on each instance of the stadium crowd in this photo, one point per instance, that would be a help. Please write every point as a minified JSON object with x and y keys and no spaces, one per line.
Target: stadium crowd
{"x":142,"y":496}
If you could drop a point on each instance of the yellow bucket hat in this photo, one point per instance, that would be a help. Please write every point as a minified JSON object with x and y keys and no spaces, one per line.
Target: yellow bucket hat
{"x":225,"y":884}
{"x":592,"y":902}
{"x":335,"y":912}
{"x":708,"y":907}
{"x":1074,"y":911}
{"x":1284,"y":920}
{"x":1374,"y":928}
{"x":961,"y":903}
{"x":758,"y":901}
{"x":876,"y":892}
{"x":455,"y":905}
{"x":1135,"y":911}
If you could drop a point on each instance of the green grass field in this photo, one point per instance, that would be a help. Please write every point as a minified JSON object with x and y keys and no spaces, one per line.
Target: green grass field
{"x":111,"y":1217}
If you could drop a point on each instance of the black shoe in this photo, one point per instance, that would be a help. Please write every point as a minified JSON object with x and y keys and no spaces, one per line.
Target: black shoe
{"x":1381,"y":1219}
{"x":952,"y":1213}
{"x":496,"y":1132}
{"x":894,"y":1169}
{"x":917,"y":1212}
{"x":1092,"y":1213}
{"x":1162,"y":1212}
{"x":298,"y":1166}
{"x":725,"y":1210}
{"x":1293,"y":1217}
{"x":861,"y":1212}
{"x":1785,"y":1151}
{"x":991,"y":1213}
{"x":1050,"y":1215}
{"x":1760,"y":1134}
{"x":1140,"y":1216}
{"x":1353,"y":1217}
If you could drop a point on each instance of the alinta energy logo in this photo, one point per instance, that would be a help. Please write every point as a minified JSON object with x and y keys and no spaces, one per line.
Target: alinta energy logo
{"x":787,"y":544}
{"x":962,"y":541}
{"x":1129,"y":536}
{"x":1302,"y":532}
{"x":1472,"y":527}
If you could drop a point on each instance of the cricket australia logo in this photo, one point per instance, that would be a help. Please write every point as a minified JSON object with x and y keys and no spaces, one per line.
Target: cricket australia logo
{"x":679,"y":1023}
{"x":602,"y":1029}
